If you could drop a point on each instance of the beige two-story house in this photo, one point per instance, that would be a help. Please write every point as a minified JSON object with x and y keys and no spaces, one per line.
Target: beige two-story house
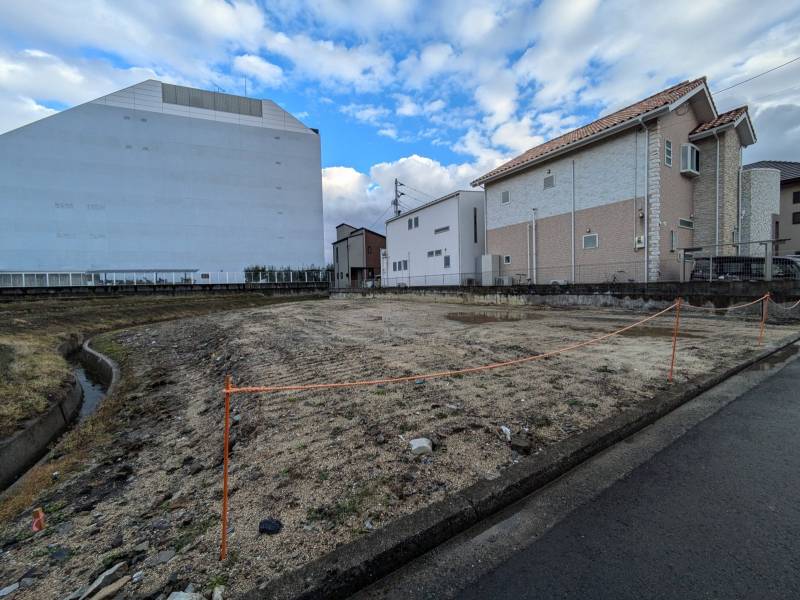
{"x":617,"y":199}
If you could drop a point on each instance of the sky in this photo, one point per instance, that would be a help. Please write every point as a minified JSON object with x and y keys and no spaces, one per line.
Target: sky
{"x":434,"y":93}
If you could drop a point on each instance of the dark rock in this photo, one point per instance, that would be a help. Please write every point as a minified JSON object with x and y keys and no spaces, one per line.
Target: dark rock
{"x":116,"y":542}
{"x":270,"y":526}
{"x":521,"y":444}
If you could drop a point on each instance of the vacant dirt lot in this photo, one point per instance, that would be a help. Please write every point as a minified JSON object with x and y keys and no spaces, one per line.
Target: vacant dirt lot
{"x":331,"y":465}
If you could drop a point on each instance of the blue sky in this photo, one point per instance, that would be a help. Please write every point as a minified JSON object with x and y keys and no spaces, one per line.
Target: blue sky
{"x":434,"y":93}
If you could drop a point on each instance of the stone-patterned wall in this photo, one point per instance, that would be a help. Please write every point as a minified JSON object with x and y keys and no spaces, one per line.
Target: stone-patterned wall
{"x":654,"y":198}
{"x":730,"y":161}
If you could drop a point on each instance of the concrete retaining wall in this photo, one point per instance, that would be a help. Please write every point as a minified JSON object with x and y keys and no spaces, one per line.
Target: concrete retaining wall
{"x":635,"y":296}
{"x":23,"y":449}
{"x":100,"y":291}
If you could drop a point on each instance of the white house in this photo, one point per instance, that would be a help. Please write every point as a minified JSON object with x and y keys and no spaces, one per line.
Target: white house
{"x":437,"y":243}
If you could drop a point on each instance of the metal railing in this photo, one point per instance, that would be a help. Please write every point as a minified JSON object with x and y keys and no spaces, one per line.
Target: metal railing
{"x":172,"y":277}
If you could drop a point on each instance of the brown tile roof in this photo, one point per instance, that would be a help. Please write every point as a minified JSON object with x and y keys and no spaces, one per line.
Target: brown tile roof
{"x":662,"y":98}
{"x":723,"y":119}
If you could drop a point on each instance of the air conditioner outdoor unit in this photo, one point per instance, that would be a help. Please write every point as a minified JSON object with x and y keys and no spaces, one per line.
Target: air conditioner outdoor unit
{"x":639,"y":241}
{"x":505,"y":280}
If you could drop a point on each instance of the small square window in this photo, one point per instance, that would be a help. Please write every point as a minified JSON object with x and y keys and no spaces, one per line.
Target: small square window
{"x":410,"y":223}
{"x":416,"y":222}
{"x":590,"y":241}
{"x":505,"y":197}
{"x":668,"y":153}
{"x":446,"y":262}
{"x":796,"y":218}
{"x":686,"y":223}
{"x":507,"y":259}
{"x":795,"y":197}
{"x":549,"y":182}
{"x":405,"y":265}
{"x":394,"y":266}
{"x":438,"y":252}
{"x":430,"y":253}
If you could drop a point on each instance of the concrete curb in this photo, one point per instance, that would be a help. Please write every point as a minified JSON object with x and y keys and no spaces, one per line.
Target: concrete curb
{"x":353,"y":566}
{"x":25,"y":448}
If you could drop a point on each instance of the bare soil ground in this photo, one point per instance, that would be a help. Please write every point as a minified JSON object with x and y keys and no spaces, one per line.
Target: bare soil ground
{"x":331,"y":465}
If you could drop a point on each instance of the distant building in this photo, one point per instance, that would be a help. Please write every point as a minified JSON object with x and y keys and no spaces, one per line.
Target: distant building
{"x":617,"y":199}
{"x":356,"y":256}
{"x":786,"y":224}
{"x":438,"y":243}
{"x":159,"y":177}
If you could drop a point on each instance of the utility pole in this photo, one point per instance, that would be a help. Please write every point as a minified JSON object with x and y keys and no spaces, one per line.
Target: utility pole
{"x":397,"y":194}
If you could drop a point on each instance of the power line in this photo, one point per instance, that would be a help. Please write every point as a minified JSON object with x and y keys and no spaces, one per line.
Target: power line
{"x":431,"y":196}
{"x":375,"y":222}
{"x":756,"y":76}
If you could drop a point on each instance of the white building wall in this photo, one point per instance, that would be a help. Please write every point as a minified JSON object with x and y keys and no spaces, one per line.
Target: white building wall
{"x":128,"y":182}
{"x":413,"y":245}
{"x":607,"y":171}
{"x":471,"y":246}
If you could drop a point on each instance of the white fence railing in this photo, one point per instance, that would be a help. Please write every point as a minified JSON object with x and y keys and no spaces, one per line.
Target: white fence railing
{"x":171,"y":277}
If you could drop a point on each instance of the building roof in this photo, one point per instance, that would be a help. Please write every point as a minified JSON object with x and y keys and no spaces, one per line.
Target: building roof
{"x":789,"y":170}
{"x":725,"y":118}
{"x":431,"y":203}
{"x":629,"y":114}
{"x":356,"y":231}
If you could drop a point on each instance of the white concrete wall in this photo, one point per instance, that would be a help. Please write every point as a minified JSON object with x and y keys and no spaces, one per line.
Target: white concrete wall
{"x":608,"y":171}
{"x":470,"y":248}
{"x":414,"y":244}
{"x":127,"y":182}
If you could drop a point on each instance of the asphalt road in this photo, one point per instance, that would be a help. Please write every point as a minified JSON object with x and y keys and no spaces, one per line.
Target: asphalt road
{"x":714,"y":514}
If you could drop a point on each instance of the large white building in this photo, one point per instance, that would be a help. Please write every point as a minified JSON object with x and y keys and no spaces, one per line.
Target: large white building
{"x":159,"y":177}
{"x":438,"y":243}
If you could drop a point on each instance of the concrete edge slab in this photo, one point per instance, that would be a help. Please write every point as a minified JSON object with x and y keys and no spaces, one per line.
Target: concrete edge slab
{"x":357,"y":564}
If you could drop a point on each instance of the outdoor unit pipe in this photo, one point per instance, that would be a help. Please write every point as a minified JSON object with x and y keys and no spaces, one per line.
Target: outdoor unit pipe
{"x":716,"y":201}
{"x":533,"y":243}
{"x":573,"y":220}
{"x":646,"y":205}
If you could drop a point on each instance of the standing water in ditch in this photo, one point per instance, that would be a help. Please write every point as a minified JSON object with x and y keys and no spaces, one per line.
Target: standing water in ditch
{"x":93,"y":390}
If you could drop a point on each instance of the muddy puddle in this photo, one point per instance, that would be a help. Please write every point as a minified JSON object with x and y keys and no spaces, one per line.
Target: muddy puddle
{"x":490,"y":316}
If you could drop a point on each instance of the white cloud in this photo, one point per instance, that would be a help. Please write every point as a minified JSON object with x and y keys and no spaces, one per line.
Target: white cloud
{"x":406,"y":107}
{"x":362,"y":68}
{"x":367,"y":113}
{"x":265,"y":72}
{"x":419,"y":68}
{"x":19,"y":110}
{"x":516,"y":135}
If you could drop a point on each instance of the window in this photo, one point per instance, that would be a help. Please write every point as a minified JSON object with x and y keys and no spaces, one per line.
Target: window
{"x":673,"y":240}
{"x":394,"y":266}
{"x":410,"y":223}
{"x":475,"y":223}
{"x":416,"y":221}
{"x":590,"y":241}
{"x":369,"y":249}
{"x":405,"y":265}
{"x":795,"y":197}
{"x":686,"y":223}
{"x":668,"y":153}
{"x":549,"y":182}
{"x":446,"y":262}
{"x":690,"y":159}
{"x":505,"y":197}
{"x":430,"y":253}
{"x":438,"y":252}
{"x":336,"y":253}
{"x":507,"y":259}
{"x":442,"y":229}
{"x":796,"y":218}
